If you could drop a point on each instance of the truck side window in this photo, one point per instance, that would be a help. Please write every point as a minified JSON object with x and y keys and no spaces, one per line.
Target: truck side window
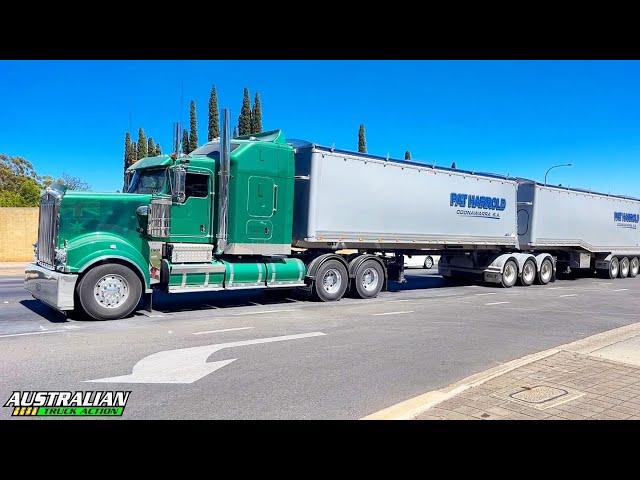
{"x":196,"y":185}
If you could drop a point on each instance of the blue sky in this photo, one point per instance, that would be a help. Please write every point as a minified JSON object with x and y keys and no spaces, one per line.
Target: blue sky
{"x":508,"y":117}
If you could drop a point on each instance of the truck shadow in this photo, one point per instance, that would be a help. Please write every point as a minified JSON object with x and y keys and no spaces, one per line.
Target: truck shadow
{"x":44,"y":311}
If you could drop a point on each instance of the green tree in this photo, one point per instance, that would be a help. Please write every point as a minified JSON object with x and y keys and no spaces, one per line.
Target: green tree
{"x":362,"y":141}
{"x":407,"y":155}
{"x":185,"y":142}
{"x":134,"y":152}
{"x":244,"y":121}
{"x":142,"y":144}
{"x":193,"y":128}
{"x":151,"y":147}
{"x":214,"y":117}
{"x":73,"y":183}
{"x":19,"y":184}
{"x":256,"y":115}
{"x":127,"y":152}
{"x":158,"y":150}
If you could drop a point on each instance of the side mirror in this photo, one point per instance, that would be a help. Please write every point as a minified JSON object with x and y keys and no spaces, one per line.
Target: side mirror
{"x":142,"y":214}
{"x":179,"y":175}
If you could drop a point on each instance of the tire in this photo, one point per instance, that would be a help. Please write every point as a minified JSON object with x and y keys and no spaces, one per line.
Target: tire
{"x":624,"y":267}
{"x":546,"y":272}
{"x":428,"y":262}
{"x":614,"y":268}
{"x":528,"y":275}
{"x":109,"y":292}
{"x":369,"y":279}
{"x":509,"y":274}
{"x":331,"y":281}
{"x":634,"y":267}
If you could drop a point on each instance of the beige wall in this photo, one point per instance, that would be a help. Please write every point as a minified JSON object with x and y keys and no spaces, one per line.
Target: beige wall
{"x":18,"y":233}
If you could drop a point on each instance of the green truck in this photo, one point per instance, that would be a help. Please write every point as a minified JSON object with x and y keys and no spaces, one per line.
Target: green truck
{"x":217,"y":219}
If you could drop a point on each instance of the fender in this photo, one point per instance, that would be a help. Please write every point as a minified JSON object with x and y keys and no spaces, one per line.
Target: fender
{"x":85,"y":251}
{"x":540,"y":258}
{"x":498,"y":263}
{"x":313,"y":266}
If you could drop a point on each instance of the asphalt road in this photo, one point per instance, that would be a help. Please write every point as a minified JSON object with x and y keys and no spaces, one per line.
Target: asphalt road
{"x":340,"y":360}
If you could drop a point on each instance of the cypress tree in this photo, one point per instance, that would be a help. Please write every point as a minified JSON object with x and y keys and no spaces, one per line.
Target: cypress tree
{"x":134,"y":152}
{"x":214,"y":118}
{"x":407,"y":155}
{"x":158,"y":150}
{"x":244,"y":121}
{"x":151,"y":147}
{"x":185,"y":142}
{"x":142,"y":144}
{"x":127,"y":151}
{"x":362,"y":141}
{"x":256,"y":115}
{"x":193,"y":128}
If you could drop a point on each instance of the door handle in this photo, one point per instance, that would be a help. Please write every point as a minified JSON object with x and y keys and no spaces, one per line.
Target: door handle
{"x":275,"y":198}
{"x":201,"y":228}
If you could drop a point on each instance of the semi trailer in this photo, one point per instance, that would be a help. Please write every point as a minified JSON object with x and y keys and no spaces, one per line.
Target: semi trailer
{"x":261,"y":212}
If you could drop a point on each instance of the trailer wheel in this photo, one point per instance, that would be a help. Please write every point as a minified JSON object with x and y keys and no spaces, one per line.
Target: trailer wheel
{"x":528,"y":275}
{"x":369,"y":279}
{"x":109,"y":291}
{"x":614,"y":267}
{"x":509,"y":274}
{"x":634,"y":267}
{"x":331,"y":281}
{"x":546,"y":272}
{"x":624,"y":267}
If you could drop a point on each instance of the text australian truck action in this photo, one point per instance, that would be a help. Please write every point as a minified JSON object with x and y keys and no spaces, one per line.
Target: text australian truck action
{"x":261,"y":212}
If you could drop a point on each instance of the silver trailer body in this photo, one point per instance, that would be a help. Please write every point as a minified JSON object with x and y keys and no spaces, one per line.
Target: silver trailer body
{"x":557,"y":218}
{"x":351,"y":200}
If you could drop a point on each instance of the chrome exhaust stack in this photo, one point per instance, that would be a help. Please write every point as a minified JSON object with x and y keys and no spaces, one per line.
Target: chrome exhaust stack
{"x":223,"y":185}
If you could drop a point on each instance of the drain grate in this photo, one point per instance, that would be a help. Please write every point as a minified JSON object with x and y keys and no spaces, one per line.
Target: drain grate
{"x":539,"y":394}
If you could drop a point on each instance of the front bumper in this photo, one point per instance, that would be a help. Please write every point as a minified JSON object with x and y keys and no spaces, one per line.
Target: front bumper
{"x":53,"y":288}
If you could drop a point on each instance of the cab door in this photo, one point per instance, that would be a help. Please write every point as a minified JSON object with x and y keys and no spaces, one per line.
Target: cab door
{"x":191,"y":220}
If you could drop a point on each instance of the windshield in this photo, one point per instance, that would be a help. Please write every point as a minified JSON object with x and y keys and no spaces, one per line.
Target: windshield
{"x":148,"y":181}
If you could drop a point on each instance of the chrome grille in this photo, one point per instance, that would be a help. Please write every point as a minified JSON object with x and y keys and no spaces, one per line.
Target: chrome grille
{"x":160,"y":218}
{"x":48,"y":228}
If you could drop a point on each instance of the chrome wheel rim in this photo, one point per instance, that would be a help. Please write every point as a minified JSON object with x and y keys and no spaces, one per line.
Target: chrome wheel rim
{"x":614,"y":267}
{"x":528,"y":273}
{"x":370,"y":279}
{"x":111,"y":291}
{"x":331,"y":281}
{"x":509,"y":273}
{"x":624,"y":267}
{"x":545,"y":271}
{"x":634,"y":266}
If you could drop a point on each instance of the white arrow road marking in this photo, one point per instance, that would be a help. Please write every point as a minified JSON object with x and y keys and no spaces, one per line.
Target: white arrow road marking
{"x":186,"y":365}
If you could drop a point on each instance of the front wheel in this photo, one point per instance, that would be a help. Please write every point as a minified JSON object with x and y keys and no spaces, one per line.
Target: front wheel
{"x":331,"y":281}
{"x":109,"y":292}
{"x":428,"y":262}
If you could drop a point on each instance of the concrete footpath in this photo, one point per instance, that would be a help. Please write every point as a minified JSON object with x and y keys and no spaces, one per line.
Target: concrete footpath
{"x":11,"y":269}
{"x":595,"y":378}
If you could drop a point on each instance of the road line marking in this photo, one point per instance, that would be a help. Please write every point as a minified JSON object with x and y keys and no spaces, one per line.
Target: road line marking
{"x":187,"y":365}
{"x":606,"y":283}
{"x":264,"y":311}
{"x":32,"y":333}
{"x":496,"y":303}
{"x":396,"y":301}
{"x":620,"y":290}
{"x":481,"y":294}
{"x":554,"y":288}
{"x":392,"y":313}
{"x":568,"y":295}
{"x":472,"y":286}
{"x":221,"y":330}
